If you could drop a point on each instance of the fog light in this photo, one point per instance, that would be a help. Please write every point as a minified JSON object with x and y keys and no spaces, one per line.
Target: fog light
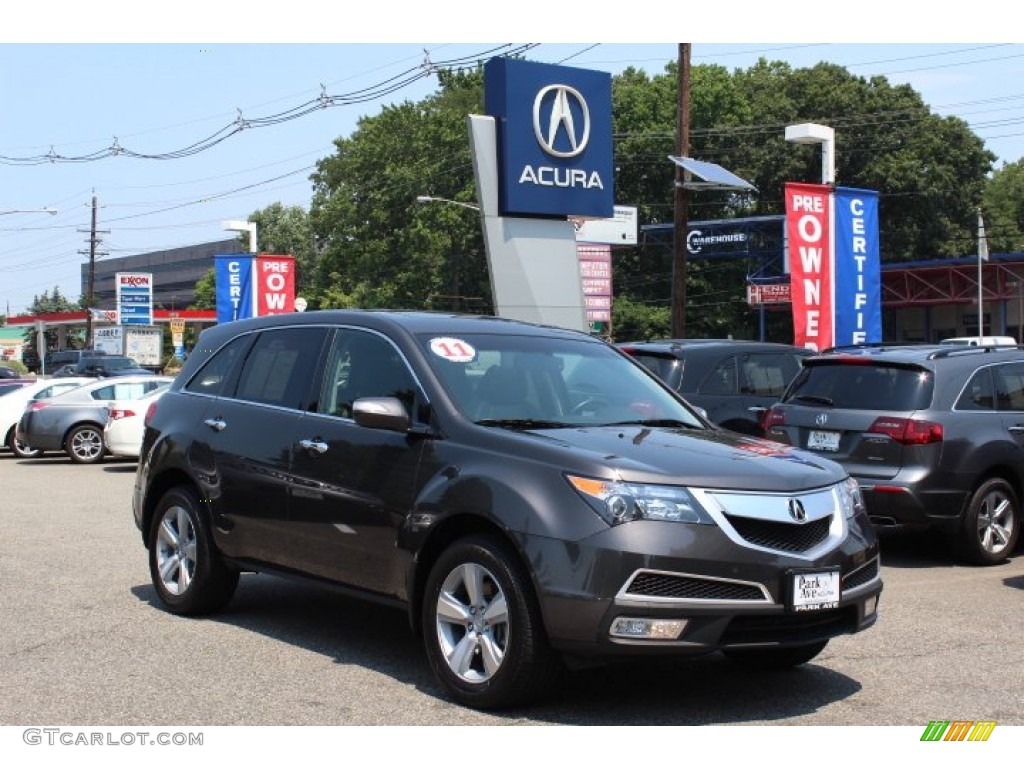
{"x":648,"y":629}
{"x":870,"y":606}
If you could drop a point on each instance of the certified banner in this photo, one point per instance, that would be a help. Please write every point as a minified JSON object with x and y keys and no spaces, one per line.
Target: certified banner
{"x":808,"y":226}
{"x":858,"y":268}
{"x":234,"y":287}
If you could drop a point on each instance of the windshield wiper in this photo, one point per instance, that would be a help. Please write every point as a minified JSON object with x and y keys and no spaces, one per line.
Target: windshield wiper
{"x":524,"y":423}
{"x":819,"y":399}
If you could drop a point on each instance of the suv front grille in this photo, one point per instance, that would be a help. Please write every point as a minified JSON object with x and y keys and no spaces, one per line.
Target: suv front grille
{"x":681,"y":587}
{"x":784,"y":537}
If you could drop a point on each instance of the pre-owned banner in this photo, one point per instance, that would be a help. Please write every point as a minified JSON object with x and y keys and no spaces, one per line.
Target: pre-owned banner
{"x":275,"y":285}
{"x":858,"y":268}
{"x":234,"y":287}
{"x":808,"y":226}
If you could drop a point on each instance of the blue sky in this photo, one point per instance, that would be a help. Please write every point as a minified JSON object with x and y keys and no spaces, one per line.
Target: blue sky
{"x":75,"y":80}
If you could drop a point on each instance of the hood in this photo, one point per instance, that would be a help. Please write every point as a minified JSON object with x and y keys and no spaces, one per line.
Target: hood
{"x":707,"y":459}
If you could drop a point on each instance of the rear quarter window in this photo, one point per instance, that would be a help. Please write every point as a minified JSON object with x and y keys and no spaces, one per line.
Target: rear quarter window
{"x":868,"y":387}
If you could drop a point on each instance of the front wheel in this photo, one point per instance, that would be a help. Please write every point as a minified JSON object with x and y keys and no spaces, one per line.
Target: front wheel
{"x":482,"y":627}
{"x":776,"y":658}
{"x":991,"y":525}
{"x":189,"y":576}
{"x":84,"y":444}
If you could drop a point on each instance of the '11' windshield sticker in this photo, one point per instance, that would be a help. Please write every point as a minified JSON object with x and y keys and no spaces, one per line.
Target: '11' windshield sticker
{"x":453,"y":350}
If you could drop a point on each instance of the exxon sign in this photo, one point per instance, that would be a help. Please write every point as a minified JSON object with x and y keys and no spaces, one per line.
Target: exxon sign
{"x":554,"y":138}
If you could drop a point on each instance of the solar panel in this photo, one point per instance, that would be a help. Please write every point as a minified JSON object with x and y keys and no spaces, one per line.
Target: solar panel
{"x":712,"y":176}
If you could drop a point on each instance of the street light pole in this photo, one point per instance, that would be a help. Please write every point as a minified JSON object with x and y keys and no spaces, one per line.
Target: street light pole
{"x":51,"y":211}
{"x":812,"y":133}
{"x":243,"y":226}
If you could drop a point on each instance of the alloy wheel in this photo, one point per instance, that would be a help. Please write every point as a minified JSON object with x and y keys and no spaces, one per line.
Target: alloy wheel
{"x":472,"y":623}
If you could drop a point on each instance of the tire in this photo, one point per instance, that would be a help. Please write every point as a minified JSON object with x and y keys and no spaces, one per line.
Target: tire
{"x":776,"y":658}
{"x":189,"y":576}
{"x":991,"y":524}
{"x":84,"y":444}
{"x":19,"y":449}
{"x":493,"y":653}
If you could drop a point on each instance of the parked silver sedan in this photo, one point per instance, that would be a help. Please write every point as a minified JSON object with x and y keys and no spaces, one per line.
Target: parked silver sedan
{"x":73,"y":422}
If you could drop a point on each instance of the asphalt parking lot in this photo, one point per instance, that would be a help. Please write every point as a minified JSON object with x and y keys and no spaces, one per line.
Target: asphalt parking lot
{"x":85,"y":643}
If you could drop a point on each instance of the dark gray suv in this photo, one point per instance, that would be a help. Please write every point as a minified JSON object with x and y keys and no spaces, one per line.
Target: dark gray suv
{"x":734,"y":381}
{"x":934,"y":435}
{"x":524,"y":493}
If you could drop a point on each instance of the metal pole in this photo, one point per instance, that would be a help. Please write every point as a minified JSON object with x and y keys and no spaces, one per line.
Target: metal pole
{"x":679,"y":265}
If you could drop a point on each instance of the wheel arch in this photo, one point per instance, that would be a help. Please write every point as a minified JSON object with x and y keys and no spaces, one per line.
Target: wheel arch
{"x":172,"y":478}
{"x":79,"y":425}
{"x":447,"y":532}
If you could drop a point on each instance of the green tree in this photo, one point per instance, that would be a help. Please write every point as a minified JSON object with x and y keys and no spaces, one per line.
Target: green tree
{"x":48,"y":303}
{"x":287,"y":231}
{"x":206,"y":291}
{"x":380,"y":247}
{"x":1004,"y":209}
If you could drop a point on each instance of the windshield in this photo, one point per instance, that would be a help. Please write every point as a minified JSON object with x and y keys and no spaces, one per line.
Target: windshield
{"x":533,"y":381}
{"x":117,"y":363}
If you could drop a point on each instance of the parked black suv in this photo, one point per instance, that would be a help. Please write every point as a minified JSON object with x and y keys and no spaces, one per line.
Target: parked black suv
{"x":734,"y":381}
{"x":934,"y":434}
{"x":523,"y":492}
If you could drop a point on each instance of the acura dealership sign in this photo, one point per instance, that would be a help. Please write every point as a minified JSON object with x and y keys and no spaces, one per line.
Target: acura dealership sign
{"x":554,"y":138}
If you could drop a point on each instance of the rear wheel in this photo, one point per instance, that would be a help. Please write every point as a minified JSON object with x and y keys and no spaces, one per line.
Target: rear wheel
{"x":776,"y":658}
{"x":482,"y":627}
{"x":18,"y":448}
{"x":84,"y":444}
{"x":187,"y":571}
{"x":991,"y":525}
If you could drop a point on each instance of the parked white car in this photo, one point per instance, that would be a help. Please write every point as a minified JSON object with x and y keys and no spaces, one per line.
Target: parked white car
{"x":126,"y":424}
{"x":13,"y":404}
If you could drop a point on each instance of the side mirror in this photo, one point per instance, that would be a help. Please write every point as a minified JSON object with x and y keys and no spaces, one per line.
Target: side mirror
{"x":381,"y":413}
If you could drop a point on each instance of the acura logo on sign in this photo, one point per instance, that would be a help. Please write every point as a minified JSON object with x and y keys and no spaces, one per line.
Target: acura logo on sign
{"x":797,"y":511}
{"x":821,"y":419}
{"x":560,"y":121}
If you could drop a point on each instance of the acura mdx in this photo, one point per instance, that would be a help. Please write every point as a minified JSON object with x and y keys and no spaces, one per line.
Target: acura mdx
{"x":528,"y":495}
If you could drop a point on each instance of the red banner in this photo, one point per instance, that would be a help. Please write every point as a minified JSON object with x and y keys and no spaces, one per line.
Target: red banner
{"x":275,"y":285}
{"x":809,"y":230}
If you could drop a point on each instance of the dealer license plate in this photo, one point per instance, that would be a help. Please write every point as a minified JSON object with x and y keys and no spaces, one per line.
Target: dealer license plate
{"x":815,"y":591}
{"x":820,"y":440}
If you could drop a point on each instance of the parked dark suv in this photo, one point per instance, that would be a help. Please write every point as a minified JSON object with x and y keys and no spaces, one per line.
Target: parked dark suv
{"x":734,"y":381}
{"x":934,"y":434}
{"x":463,"y":469}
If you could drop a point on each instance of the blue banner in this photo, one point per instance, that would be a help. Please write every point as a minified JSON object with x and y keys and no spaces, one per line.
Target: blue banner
{"x":234,"y":287}
{"x":858,"y":270}
{"x":554,"y":138}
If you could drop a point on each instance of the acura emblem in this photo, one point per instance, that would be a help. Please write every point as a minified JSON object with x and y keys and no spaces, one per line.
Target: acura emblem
{"x":797,"y":511}
{"x":821,"y":419}
{"x":561,"y":117}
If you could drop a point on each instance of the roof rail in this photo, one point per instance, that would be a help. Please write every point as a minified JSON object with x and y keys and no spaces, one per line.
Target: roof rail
{"x":962,"y":350}
{"x":875,"y":345}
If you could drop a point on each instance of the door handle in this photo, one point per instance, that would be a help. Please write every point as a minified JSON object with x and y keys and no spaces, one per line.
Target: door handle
{"x":216,"y":424}
{"x":313,"y":445}
{"x":1016,"y":429}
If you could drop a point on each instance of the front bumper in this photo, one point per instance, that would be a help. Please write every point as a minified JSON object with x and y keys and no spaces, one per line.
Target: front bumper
{"x":730,"y":596}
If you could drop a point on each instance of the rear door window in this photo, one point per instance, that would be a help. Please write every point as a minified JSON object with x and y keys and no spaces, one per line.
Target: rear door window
{"x":860,"y":386}
{"x":280,"y":367}
{"x":1010,"y":386}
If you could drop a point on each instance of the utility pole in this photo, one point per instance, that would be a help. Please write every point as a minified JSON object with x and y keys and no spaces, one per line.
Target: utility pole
{"x":682,"y":197}
{"x":91,"y":282}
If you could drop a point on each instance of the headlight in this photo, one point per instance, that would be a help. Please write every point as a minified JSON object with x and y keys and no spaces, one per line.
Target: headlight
{"x":619,"y":502}
{"x":850,"y":498}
